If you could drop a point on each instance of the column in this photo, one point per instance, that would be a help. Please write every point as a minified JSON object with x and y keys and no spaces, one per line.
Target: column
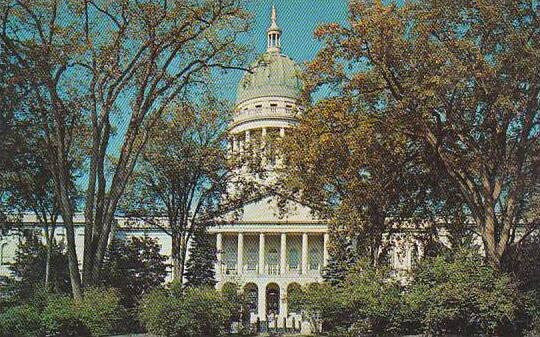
{"x":283,"y":311}
{"x":240,"y":256}
{"x":304,"y":253}
{"x":282,"y":132}
{"x":248,"y":136}
{"x":261,"y":254}
{"x":408,"y":258}
{"x":283,"y":255}
{"x":263,"y":137}
{"x":261,"y":305}
{"x":219,"y":248}
{"x":235,"y":144}
{"x":326,"y":237}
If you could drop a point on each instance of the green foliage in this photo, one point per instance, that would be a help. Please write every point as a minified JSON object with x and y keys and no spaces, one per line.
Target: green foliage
{"x":134,"y":267}
{"x":29,"y":267}
{"x":373,"y":299}
{"x":295,"y":295}
{"x":193,"y":312}
{"x":323,"y":304}
{"x":367,"y":301}
{"x":457,"y":294}
{"x":97,"y":314}
{"x":21,"y":321}
{"x":200,"y":265}
{"x":462,"y":295}
{"x":341,"y":258}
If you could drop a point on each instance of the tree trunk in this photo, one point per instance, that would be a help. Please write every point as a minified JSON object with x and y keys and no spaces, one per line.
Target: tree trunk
{"x":176,"y":259}
{"x":48,"y":267}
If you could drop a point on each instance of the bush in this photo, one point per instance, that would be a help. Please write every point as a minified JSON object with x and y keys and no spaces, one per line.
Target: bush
{"x":21,"y":321}
{"x":373,"y":300}
{"x":323,"y":305}
{"x":192,"y":312}
{"x":98,"y":314}
{"x":366,"y":301}
{"x":462,"y":295}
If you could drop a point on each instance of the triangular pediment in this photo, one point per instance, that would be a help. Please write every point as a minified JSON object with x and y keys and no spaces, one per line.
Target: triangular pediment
{"x":269,"y":210}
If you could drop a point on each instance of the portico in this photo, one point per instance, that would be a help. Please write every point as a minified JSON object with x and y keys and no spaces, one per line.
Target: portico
{"x":291,"y":258}
{"x":267,"y":259}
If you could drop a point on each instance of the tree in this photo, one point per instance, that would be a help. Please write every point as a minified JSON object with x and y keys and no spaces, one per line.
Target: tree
{"x":355,"y":171}
{"x":461,"y":78}
{"x":114,"y":66}
{"x":134,"y":267}
{"x":28,"y":267}
{"x":460,"y":294}
{"x":13,"y":143}
{"x":183,"y":174}
{"x":341,"y":259}
{"x":202,"y":257}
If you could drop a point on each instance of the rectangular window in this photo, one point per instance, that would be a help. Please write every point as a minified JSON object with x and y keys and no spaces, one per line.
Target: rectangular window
{"x":258,"y":106}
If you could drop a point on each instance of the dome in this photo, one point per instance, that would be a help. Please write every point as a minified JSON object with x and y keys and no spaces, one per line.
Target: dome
{"x":273,"y":74}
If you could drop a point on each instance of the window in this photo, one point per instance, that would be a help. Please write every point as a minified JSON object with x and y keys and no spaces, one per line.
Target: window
{"x":2,"y":253}
{"x":273,"y":104}
{"x":288,"y":106}
{"x":294,"y":258}
{"x":258,"y":106}
{"x":273,"y":256}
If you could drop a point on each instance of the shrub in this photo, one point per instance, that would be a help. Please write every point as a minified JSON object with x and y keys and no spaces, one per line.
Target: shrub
{"x":98,"y":314}
{"x":323,"y":305}
{"x":462,"y":295}
{"x":192,"y":312}
{"x":21,"y":321}
{"x":373,"y":299}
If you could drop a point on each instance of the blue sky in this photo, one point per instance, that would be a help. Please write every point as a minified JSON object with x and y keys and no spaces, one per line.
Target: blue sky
{"x":297,"y":20}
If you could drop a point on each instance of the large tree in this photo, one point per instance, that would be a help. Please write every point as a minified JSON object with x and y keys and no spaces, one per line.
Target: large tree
{"x":181,"y":181}
{"x":115,"y":66}
{"x":355,"y":171}
{"x":460,"y":76}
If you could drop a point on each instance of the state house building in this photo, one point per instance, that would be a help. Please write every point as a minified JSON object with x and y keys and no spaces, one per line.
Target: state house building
{"x":263,"y":251}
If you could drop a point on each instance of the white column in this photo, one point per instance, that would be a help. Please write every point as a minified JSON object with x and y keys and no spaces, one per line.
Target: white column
{"x":219,"y":248}
{"x":283,"y":312}
{"x":241,"y":145}
{"x":282,"y":132}
{"x":261,"y":254}
{"x":326,"y":237}
{"x":248,"y":136}
{"x":261,"y":305}
{"x":235,"y":144}
{"x":283,"y":254}
{"x":240,"y":256}
{"x":263,"y":137}
{"x":304,"y":253}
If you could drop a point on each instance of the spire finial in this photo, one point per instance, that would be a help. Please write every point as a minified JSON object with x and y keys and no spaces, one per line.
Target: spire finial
{"x":274,"y":34}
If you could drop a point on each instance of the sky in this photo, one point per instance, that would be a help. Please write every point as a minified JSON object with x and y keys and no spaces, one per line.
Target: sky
{"x":297,"y":20}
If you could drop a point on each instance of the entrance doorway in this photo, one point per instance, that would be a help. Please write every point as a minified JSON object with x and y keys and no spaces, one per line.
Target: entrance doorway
{"x":272,"y":299}
{"x":251,"y":293}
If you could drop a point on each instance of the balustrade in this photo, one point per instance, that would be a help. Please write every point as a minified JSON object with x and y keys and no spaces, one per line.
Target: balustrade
{"x":310,"y":263}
